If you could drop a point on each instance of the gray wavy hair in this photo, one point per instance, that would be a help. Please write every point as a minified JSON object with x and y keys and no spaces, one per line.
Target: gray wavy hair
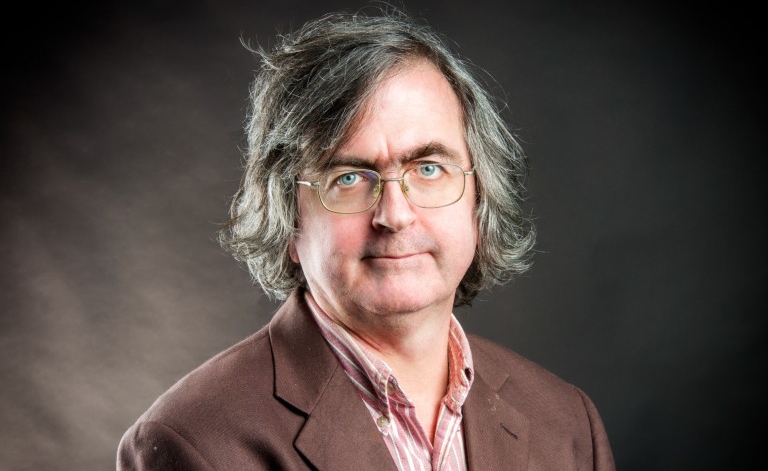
{"x":303,"y":102}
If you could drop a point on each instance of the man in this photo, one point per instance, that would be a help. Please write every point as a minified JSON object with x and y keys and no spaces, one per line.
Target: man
{"x":381,"y":190}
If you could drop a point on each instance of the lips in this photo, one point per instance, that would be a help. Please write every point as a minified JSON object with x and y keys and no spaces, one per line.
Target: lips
{"x":399,"y":249}
{"x":394,"y":256}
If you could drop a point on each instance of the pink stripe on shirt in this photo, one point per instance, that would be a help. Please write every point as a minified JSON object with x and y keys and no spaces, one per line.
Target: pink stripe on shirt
{"x":393,"y":412}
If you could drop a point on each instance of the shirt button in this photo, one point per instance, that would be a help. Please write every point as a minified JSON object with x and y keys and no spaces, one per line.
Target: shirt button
{"x":390,"y":387}
{"x":382,"y":421}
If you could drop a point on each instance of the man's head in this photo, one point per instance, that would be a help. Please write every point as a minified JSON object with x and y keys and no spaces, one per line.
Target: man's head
{"x":312,"y":97}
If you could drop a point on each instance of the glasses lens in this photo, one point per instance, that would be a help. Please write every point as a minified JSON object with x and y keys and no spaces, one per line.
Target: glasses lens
{"x":432,"y":185}
{"x":349,"y":191}
{"x":428,"y":185}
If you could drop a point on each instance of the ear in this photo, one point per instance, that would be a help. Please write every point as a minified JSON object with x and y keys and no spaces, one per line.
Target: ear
{"x":292,"y":251}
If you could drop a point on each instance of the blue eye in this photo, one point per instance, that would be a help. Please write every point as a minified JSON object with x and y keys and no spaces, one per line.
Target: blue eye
{"x":429,"y":170}
{"x":348,"y":179}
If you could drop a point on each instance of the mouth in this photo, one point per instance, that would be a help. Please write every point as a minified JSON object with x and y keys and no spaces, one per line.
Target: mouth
{"x":387,"y":263}
{"x":392,"y":256}
{"x":397,"y":250}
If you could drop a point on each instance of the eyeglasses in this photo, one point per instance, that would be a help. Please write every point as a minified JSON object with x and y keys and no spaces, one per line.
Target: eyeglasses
{"x":426,"y":185}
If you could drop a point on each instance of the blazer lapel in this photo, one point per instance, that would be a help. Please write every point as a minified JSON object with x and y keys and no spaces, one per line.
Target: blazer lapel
{"x":339,"y":433}
{"x":495,"y":433}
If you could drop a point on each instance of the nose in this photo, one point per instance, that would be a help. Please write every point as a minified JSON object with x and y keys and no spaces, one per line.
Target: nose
{"x":393,"y":211}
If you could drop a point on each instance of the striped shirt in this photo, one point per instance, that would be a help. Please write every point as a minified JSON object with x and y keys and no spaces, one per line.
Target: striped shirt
{"x":393,"y":412}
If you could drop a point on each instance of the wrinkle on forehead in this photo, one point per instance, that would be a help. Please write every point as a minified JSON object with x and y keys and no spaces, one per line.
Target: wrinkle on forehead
{"x":436,"y":151}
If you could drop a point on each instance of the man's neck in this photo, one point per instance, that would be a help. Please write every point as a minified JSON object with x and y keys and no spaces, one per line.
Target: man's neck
{"x":424,"y":379}
{"x":413,"y":341}
{"x":414,"y":345}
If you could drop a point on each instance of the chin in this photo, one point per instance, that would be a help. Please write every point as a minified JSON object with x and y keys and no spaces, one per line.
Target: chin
{"x":406,"y":299}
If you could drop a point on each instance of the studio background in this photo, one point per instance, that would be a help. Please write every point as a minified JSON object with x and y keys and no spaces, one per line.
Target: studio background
{"x":120,"y":151}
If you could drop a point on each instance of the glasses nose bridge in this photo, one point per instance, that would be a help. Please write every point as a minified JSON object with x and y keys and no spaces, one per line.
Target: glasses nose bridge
{"x":400,"y":179}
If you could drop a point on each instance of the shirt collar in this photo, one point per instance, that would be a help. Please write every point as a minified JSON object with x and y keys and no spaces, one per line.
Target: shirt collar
{"x":375,"y":378}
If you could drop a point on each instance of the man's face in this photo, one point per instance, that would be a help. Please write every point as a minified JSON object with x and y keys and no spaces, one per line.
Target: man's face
{"x":395,"y":258}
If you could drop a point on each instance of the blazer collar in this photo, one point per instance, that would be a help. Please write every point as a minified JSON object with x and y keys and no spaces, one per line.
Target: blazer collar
{"x":338,"y":433}
{"x":495,"y":433}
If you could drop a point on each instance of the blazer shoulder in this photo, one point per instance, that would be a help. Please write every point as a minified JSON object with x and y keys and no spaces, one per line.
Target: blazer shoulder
{"x":535,"y":391}
{"x":558,"y":412}
{"x":498,"y":364}
{"x":209,"y":415}
{"x":242,"y":371}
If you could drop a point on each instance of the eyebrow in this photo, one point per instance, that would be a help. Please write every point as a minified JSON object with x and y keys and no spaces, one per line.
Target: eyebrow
{"x":415,"y":153}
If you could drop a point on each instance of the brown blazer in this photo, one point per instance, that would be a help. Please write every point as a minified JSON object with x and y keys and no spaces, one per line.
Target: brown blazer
{"x":279,"y":400}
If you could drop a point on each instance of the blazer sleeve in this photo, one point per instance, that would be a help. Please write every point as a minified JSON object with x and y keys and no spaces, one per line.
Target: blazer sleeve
{"x":155,"y":446}
{"x":602,"y":456}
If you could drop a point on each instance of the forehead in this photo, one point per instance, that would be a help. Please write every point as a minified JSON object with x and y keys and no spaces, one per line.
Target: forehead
{"x":412,"y":112}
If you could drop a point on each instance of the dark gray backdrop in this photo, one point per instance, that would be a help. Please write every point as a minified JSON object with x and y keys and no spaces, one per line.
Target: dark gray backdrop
{"x":120,"y":134}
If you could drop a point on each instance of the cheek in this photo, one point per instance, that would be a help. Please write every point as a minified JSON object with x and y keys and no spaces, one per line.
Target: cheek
{"x":329,"y":254}
{"x":466,"y":233}
{"x":469,"y":240}
{"x":473,"y":215}
{"x":326,"y":239}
